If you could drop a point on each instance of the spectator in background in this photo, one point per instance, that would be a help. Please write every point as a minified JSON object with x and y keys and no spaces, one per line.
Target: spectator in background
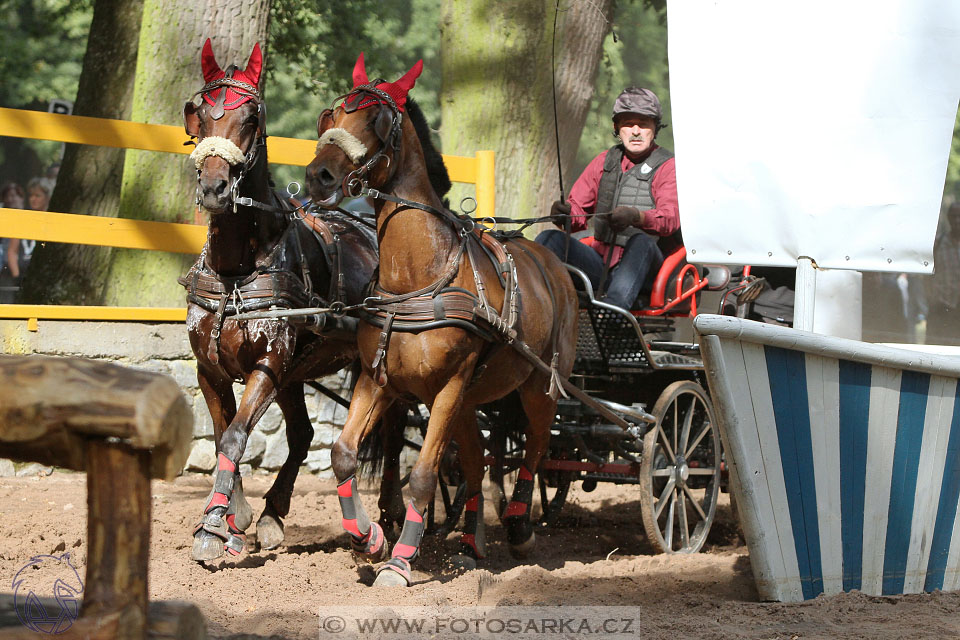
{"x":19,"y":252}
{"x":943,"y":299}
{"x":12,"y":196}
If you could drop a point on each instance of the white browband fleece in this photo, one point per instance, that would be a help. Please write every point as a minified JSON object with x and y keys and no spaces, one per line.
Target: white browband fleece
{"x":216,"y":146}
{"x":342,"y":138}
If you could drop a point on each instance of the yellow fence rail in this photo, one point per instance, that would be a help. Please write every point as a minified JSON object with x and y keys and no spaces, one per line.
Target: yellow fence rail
{"x":153,"y":236}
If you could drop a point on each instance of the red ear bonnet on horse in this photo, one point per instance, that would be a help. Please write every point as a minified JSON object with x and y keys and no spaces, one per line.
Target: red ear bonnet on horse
{"x":212,"y":72}
{"x":397,"y":90}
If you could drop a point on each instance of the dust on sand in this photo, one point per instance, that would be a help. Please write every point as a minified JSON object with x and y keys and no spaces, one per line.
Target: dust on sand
{"x":596,"y":555}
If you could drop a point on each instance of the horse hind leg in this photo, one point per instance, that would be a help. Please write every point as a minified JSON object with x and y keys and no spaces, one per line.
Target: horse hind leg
{"x":392,"y":510}
{"x":473,"y":538}
{"x":540,"y":409}
{"x":299,"y":436}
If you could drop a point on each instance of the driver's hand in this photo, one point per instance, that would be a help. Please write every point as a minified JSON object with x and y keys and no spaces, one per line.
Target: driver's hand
{"x":560,"y":211}
{"x":623,"y":217}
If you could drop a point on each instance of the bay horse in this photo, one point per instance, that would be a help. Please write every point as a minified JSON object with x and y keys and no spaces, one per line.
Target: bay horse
{"x":261,"y":253}
{"x":446,"y":324}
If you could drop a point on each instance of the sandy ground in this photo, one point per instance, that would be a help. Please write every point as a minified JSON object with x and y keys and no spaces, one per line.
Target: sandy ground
{"x":596,"y":555}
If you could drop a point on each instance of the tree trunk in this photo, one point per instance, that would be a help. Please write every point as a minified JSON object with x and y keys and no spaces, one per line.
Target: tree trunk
{"x":89,"y":180}
{"x":497,"y":90}
{"x":163,"y":186}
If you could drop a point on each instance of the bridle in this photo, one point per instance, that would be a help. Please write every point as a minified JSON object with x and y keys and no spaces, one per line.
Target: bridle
{"x":226,"y":149}
{"x":387,"y":126}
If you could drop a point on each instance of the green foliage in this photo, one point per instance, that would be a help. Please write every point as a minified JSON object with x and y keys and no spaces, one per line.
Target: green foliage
{"x":314,"y":45}
{"x":634,"y":54}
{"x":43,"y":46}
{"x":44,"y":42}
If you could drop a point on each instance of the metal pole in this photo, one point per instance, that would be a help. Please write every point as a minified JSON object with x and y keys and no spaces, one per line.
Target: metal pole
{"x":805,"y":294}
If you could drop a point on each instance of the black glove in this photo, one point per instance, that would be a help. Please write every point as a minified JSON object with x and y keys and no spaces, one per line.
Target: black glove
{"x":623,"y":217}
{"x":560,"y":211}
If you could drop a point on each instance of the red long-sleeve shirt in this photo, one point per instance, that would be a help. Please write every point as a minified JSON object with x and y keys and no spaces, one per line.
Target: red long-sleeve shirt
{"x":663,"y":220}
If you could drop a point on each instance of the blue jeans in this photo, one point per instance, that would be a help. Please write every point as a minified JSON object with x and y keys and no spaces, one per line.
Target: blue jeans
{"x":635,"y":272}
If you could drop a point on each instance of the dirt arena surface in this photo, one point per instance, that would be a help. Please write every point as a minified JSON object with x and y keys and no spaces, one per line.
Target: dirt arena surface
{"x":597,"y":555}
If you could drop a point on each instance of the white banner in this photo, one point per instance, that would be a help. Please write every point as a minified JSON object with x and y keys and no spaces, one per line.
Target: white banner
{"x":815,"y":128}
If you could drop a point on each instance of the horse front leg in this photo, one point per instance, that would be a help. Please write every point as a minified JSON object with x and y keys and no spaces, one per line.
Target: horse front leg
{"x":299,"y":437}
{"x":444,"y":415}
{"x":367,"y":406}
{"x":218,"y":530}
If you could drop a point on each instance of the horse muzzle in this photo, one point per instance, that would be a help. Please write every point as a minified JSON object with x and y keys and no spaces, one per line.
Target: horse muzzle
{"x":215,"y":194}
{"x":324,"y":186}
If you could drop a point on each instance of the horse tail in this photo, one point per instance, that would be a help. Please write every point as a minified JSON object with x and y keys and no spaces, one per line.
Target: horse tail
{"x":370,"y":453}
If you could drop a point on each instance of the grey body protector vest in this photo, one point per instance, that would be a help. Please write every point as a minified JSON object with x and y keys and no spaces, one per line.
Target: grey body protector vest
{"x":625,"y":188}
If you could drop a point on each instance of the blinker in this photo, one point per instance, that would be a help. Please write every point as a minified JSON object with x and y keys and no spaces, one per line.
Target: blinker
{"x":384,"y":123}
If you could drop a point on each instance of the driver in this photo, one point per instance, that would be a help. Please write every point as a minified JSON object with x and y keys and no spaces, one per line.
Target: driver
{"x":628,"y":194}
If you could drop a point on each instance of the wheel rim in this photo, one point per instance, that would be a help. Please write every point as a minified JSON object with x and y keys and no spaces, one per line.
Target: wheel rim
{"x":680,"y":470}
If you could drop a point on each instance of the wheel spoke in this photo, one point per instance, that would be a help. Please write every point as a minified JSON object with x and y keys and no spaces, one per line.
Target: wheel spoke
{"x":676,"y":413}
{"x":688,"y":451}
{"x":672,"y":457}
{"x":702,"y":471}
{"x":696,"y":505}
{"x":684,"y":525}
{"x":668,"y":538}
{"x":664,"y":497}
{"x":687,"y":423}
{"x":663,"y":473}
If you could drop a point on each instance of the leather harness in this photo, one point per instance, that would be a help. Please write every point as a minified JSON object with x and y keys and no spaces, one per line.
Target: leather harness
{"x":273,"y":285}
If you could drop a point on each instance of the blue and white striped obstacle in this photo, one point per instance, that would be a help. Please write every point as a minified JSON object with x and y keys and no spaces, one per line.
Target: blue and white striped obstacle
{"x":844,"y":458}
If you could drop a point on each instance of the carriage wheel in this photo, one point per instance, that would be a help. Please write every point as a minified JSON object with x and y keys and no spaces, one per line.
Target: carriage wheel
{"x":680,"y":470}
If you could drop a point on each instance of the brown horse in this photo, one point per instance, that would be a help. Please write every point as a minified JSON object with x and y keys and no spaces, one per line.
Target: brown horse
{"x":259,"y":255}
{"x":449,"y":324}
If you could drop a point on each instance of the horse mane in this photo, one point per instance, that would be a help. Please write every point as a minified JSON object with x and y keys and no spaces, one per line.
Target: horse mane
{"x":436,"y":170}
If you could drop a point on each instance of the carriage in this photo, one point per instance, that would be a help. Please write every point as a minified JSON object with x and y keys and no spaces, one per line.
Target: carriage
{"x":644,"y":366}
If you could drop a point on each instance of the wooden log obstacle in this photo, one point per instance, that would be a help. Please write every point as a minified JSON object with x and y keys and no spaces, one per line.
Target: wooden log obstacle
{"x":123,"y":427}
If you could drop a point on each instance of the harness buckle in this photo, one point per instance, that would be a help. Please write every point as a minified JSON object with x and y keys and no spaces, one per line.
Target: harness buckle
{"x":352,"y":186}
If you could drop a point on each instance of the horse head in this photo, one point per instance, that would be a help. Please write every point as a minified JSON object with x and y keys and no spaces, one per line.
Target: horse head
{"x":229,"y":126}
{"x":360,"y":139}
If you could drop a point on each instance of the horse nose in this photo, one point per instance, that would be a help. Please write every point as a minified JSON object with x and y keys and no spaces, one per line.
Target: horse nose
{"x":215,"y":192}
{"x":324,"y":178}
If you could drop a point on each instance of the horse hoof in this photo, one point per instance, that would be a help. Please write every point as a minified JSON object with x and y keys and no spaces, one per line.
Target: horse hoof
{"x":461,"y":562}
{"x":269,"y":532}
{"x":394,"y":573}
{"x":524,"y":549}
{"x":206,"y":547}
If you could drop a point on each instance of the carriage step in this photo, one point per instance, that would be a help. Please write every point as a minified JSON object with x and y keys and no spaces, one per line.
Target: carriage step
{"x":668,"y":358}
{"x":616,"y":478}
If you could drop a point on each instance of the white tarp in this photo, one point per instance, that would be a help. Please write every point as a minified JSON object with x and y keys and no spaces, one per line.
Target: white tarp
{"x":815,"y":128}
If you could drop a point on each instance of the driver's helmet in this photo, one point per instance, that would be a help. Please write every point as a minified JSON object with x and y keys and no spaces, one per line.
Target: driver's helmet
{"x":639,"y":101}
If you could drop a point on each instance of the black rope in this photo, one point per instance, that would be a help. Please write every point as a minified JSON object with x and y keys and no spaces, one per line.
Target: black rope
{"x":567,"y":227}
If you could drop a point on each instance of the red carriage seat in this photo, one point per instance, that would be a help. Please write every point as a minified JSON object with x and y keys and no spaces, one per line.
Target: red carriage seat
{"x":676,"y":288}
